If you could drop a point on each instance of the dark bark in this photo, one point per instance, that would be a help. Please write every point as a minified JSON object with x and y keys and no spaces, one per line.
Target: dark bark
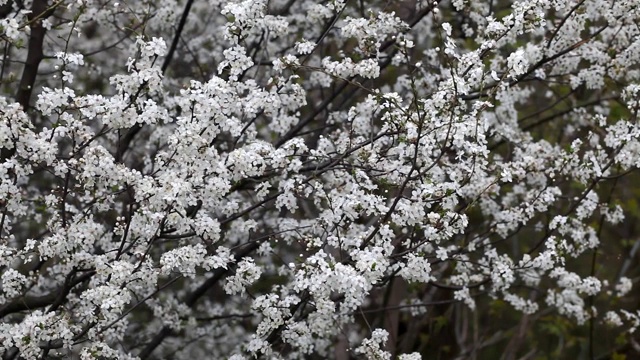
{"x":40,"y":10}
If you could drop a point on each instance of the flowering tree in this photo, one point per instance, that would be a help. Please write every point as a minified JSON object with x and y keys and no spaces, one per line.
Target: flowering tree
{"x":318,"y":179}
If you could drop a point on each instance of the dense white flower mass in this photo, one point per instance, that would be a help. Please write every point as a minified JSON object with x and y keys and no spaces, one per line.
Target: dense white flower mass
{"x":298,"y":179}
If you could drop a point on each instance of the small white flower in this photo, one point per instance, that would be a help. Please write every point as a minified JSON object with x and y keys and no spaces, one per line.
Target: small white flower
{"x":305,"y":47}
{"x":624,"y":286}
{"x":518,"y":63}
